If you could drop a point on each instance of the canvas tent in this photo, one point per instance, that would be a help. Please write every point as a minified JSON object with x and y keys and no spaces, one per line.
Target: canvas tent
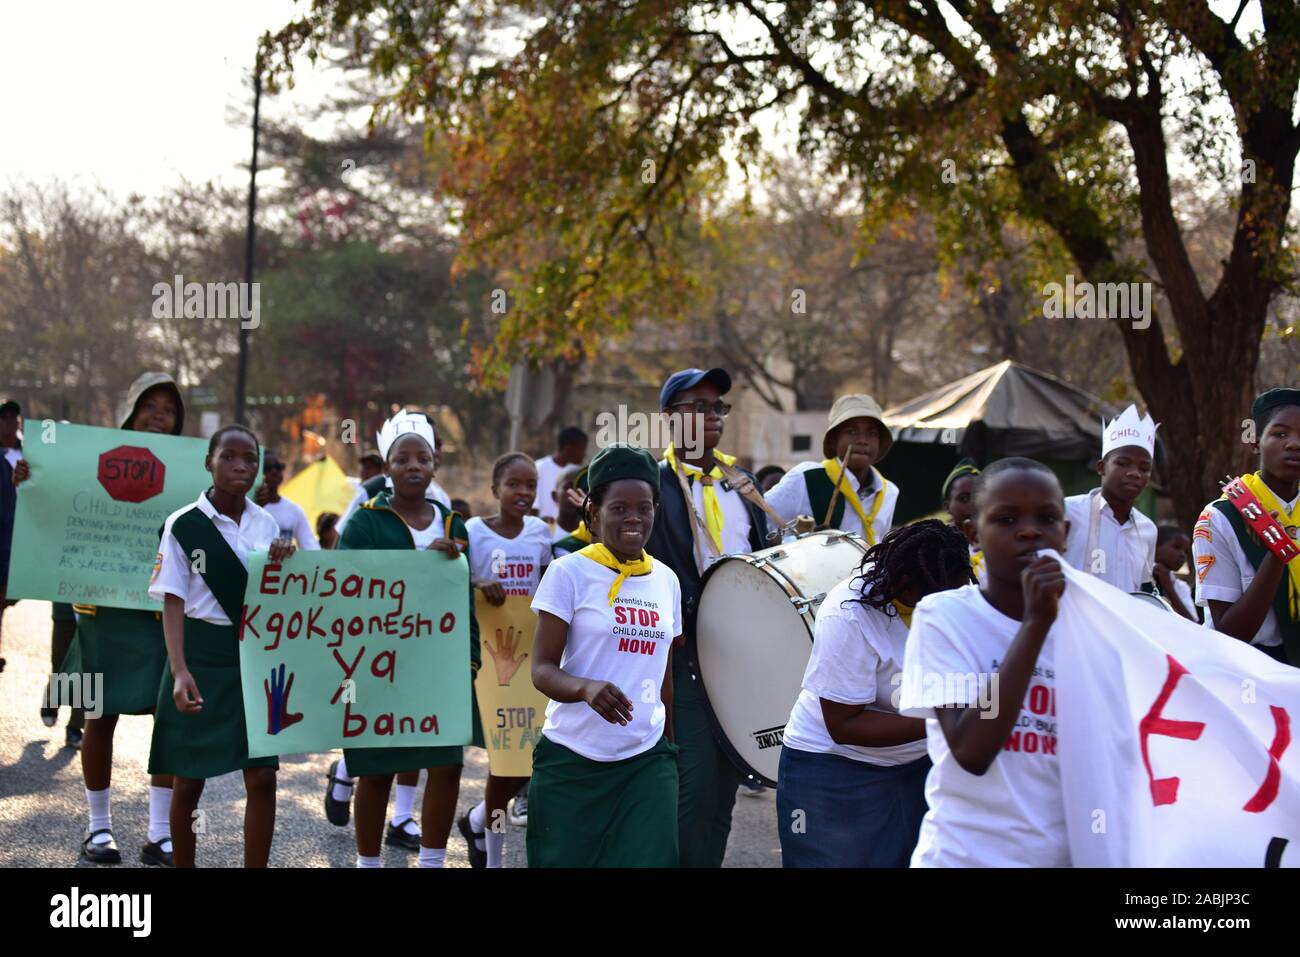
{"x":1005,"y":409}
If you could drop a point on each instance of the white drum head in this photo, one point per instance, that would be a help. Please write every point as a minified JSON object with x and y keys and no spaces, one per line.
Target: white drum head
{"x":753,"y":642}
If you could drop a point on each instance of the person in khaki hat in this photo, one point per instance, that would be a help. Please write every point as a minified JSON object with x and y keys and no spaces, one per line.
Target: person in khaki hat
{"x":845,"y":490}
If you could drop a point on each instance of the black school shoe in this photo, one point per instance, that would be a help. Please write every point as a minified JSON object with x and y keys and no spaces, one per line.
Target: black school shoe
{"x":398,"y":836}
{"x":477,"y":858}
{"x":106,"y":853}
{"x":337,"y":812}
{"x":153,"y":855}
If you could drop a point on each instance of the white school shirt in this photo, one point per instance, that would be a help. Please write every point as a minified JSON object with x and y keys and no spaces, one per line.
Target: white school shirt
{"x":626,"y":644}
{"x":434,"y":493}
{"x":790,"y":499}
{"x":857,"y":652}
{"x":1223,"y":572}
{"x":517,"y":562}
{"x":735,"y":522}
{"x":1012,"y":815}
{"x":293,"y":523}
{"x":1183,"y":594}
{"x":1128,"y":550}
{"x":173,"y":570}
{"x":548,"y":472}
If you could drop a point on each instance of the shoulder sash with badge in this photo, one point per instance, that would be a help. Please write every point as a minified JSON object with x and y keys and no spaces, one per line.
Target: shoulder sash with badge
{"x":222,"y":571}
{"x":1246,"y":504}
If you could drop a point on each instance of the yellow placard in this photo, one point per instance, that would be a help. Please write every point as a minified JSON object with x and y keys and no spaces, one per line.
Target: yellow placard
{"x":512,"y":710}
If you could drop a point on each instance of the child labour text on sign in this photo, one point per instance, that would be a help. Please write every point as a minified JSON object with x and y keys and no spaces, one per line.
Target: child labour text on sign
{"x":87,"y":523}
{"x":511,"y":709}
{"x":356,"y":649}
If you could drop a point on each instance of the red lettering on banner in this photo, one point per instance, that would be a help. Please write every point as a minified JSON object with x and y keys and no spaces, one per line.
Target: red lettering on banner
{"x":1165,"y":790}
{"x":1267,"y":792}
{"x":1013,"y":742}
{"x":347,"y":673}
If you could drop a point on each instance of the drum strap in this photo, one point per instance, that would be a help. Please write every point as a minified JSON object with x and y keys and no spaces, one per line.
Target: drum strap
{"x":698,"y":531}
{"x":742,"y":484}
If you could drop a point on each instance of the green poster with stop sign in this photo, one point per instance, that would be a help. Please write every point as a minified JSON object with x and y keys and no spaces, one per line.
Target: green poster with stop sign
{"x":87,"y":523}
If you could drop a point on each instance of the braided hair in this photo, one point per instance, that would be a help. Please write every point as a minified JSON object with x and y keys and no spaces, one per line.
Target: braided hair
{"x":928,"y":553}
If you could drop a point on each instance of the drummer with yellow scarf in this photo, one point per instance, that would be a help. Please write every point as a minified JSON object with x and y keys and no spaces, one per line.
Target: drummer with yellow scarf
{"x":1250,"y":594}
{"x":845,"y":490}
{"x":702,"y":517}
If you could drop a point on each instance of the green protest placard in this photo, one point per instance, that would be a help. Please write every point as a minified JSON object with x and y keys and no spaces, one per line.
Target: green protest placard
{"x":87,"y":523}
{"x":355,"y":648}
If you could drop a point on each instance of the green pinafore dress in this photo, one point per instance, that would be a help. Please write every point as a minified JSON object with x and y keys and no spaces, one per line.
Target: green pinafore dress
{"x":214,"y":741}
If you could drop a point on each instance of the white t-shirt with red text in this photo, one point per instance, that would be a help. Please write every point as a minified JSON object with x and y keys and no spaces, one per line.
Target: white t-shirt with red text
{"x":517,"y":562}
{"x":1012,"y":815}
{"x":626,"y":644}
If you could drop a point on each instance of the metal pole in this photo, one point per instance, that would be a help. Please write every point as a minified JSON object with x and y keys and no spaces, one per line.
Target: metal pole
{"x":241,"y":374}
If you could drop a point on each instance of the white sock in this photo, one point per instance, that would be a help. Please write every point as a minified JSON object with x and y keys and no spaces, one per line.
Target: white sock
{"x":342,"y":792}
{"x":403,"y":804}
{"x":369,"y":861}
{"x":496,"y":844}
{"x":160,"y":806}
{"x":432,"y":856}
{"x":477,"y":821}
{"x":100,"y":818}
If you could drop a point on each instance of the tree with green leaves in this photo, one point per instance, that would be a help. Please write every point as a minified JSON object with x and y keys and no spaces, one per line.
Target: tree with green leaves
{"x":590,"y":141}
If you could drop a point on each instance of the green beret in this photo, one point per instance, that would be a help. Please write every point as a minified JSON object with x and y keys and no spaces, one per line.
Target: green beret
{"x":620,"y":461}
{"x":1266,"y":402}
{"x":964,"y":467}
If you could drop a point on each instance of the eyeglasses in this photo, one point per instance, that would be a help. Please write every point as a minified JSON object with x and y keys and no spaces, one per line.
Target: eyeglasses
{"x":704,"y":407}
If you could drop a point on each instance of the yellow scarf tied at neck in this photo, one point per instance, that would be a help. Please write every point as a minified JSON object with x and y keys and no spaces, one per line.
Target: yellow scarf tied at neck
{"x":1272,"y":503}
{"x":904,"y":612}
{"x":713,"y":517}
{"x":601,"y":555}
{"x":581,"y":533}
{"x":833,"y":467}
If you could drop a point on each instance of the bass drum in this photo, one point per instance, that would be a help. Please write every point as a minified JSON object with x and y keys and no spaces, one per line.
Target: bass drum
{"x":753,"y":634}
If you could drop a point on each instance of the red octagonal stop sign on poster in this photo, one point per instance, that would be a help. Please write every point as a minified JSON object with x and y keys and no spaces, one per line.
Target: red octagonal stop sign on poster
{"x":130,"y":473}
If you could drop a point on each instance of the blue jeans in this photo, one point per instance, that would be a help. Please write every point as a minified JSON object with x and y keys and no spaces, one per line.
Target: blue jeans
{"x":833,"y":811}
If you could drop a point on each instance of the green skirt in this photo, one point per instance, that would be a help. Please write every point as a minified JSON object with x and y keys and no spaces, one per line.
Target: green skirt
{"x":396,"y":760}
{"x":126,"y":646}
{"x":214,"y":741}
{"x":584,"y":813}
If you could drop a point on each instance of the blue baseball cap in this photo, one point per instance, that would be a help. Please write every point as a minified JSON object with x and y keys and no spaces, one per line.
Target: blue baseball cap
{"x":689,"y":378}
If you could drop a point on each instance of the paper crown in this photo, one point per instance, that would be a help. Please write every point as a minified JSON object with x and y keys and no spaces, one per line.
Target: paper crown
{"x":1128,"y":428}
{"x":405,"y":423}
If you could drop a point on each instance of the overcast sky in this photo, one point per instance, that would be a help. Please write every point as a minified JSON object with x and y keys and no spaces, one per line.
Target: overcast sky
{"x":131,"y":95}
{"x":134,"y":95}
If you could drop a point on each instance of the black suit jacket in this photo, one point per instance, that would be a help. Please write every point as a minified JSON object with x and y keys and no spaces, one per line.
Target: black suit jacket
{"x":671,"y":543}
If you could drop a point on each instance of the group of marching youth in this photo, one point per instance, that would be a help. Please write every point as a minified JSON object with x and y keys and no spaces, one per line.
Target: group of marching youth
{"x":882,"y":766}
{"x":628,"y":772}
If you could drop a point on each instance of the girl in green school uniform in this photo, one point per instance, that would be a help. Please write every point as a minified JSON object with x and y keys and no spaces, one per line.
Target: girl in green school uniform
{"x":405,"y":518}
{"x":125,"y":645}
{"x":199,"y":729}
{"x":604,"y":785}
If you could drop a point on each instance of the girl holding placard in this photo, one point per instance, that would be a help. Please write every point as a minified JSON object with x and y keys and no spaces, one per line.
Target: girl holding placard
{"x":202,"y":573}
{"x":125,"y":645}
{"x":405,"y":518}
{"x":511,"y":551}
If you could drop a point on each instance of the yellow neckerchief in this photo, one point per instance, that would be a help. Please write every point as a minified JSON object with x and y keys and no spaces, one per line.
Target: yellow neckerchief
{"x":581,"y":533}
{"x":1268,"y":498}
{"x":904,"y":612}
{"x":832,"y":467}
{"x":977,"y":562}
{"x":713,"y":517}
{"x":601,"y":555}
